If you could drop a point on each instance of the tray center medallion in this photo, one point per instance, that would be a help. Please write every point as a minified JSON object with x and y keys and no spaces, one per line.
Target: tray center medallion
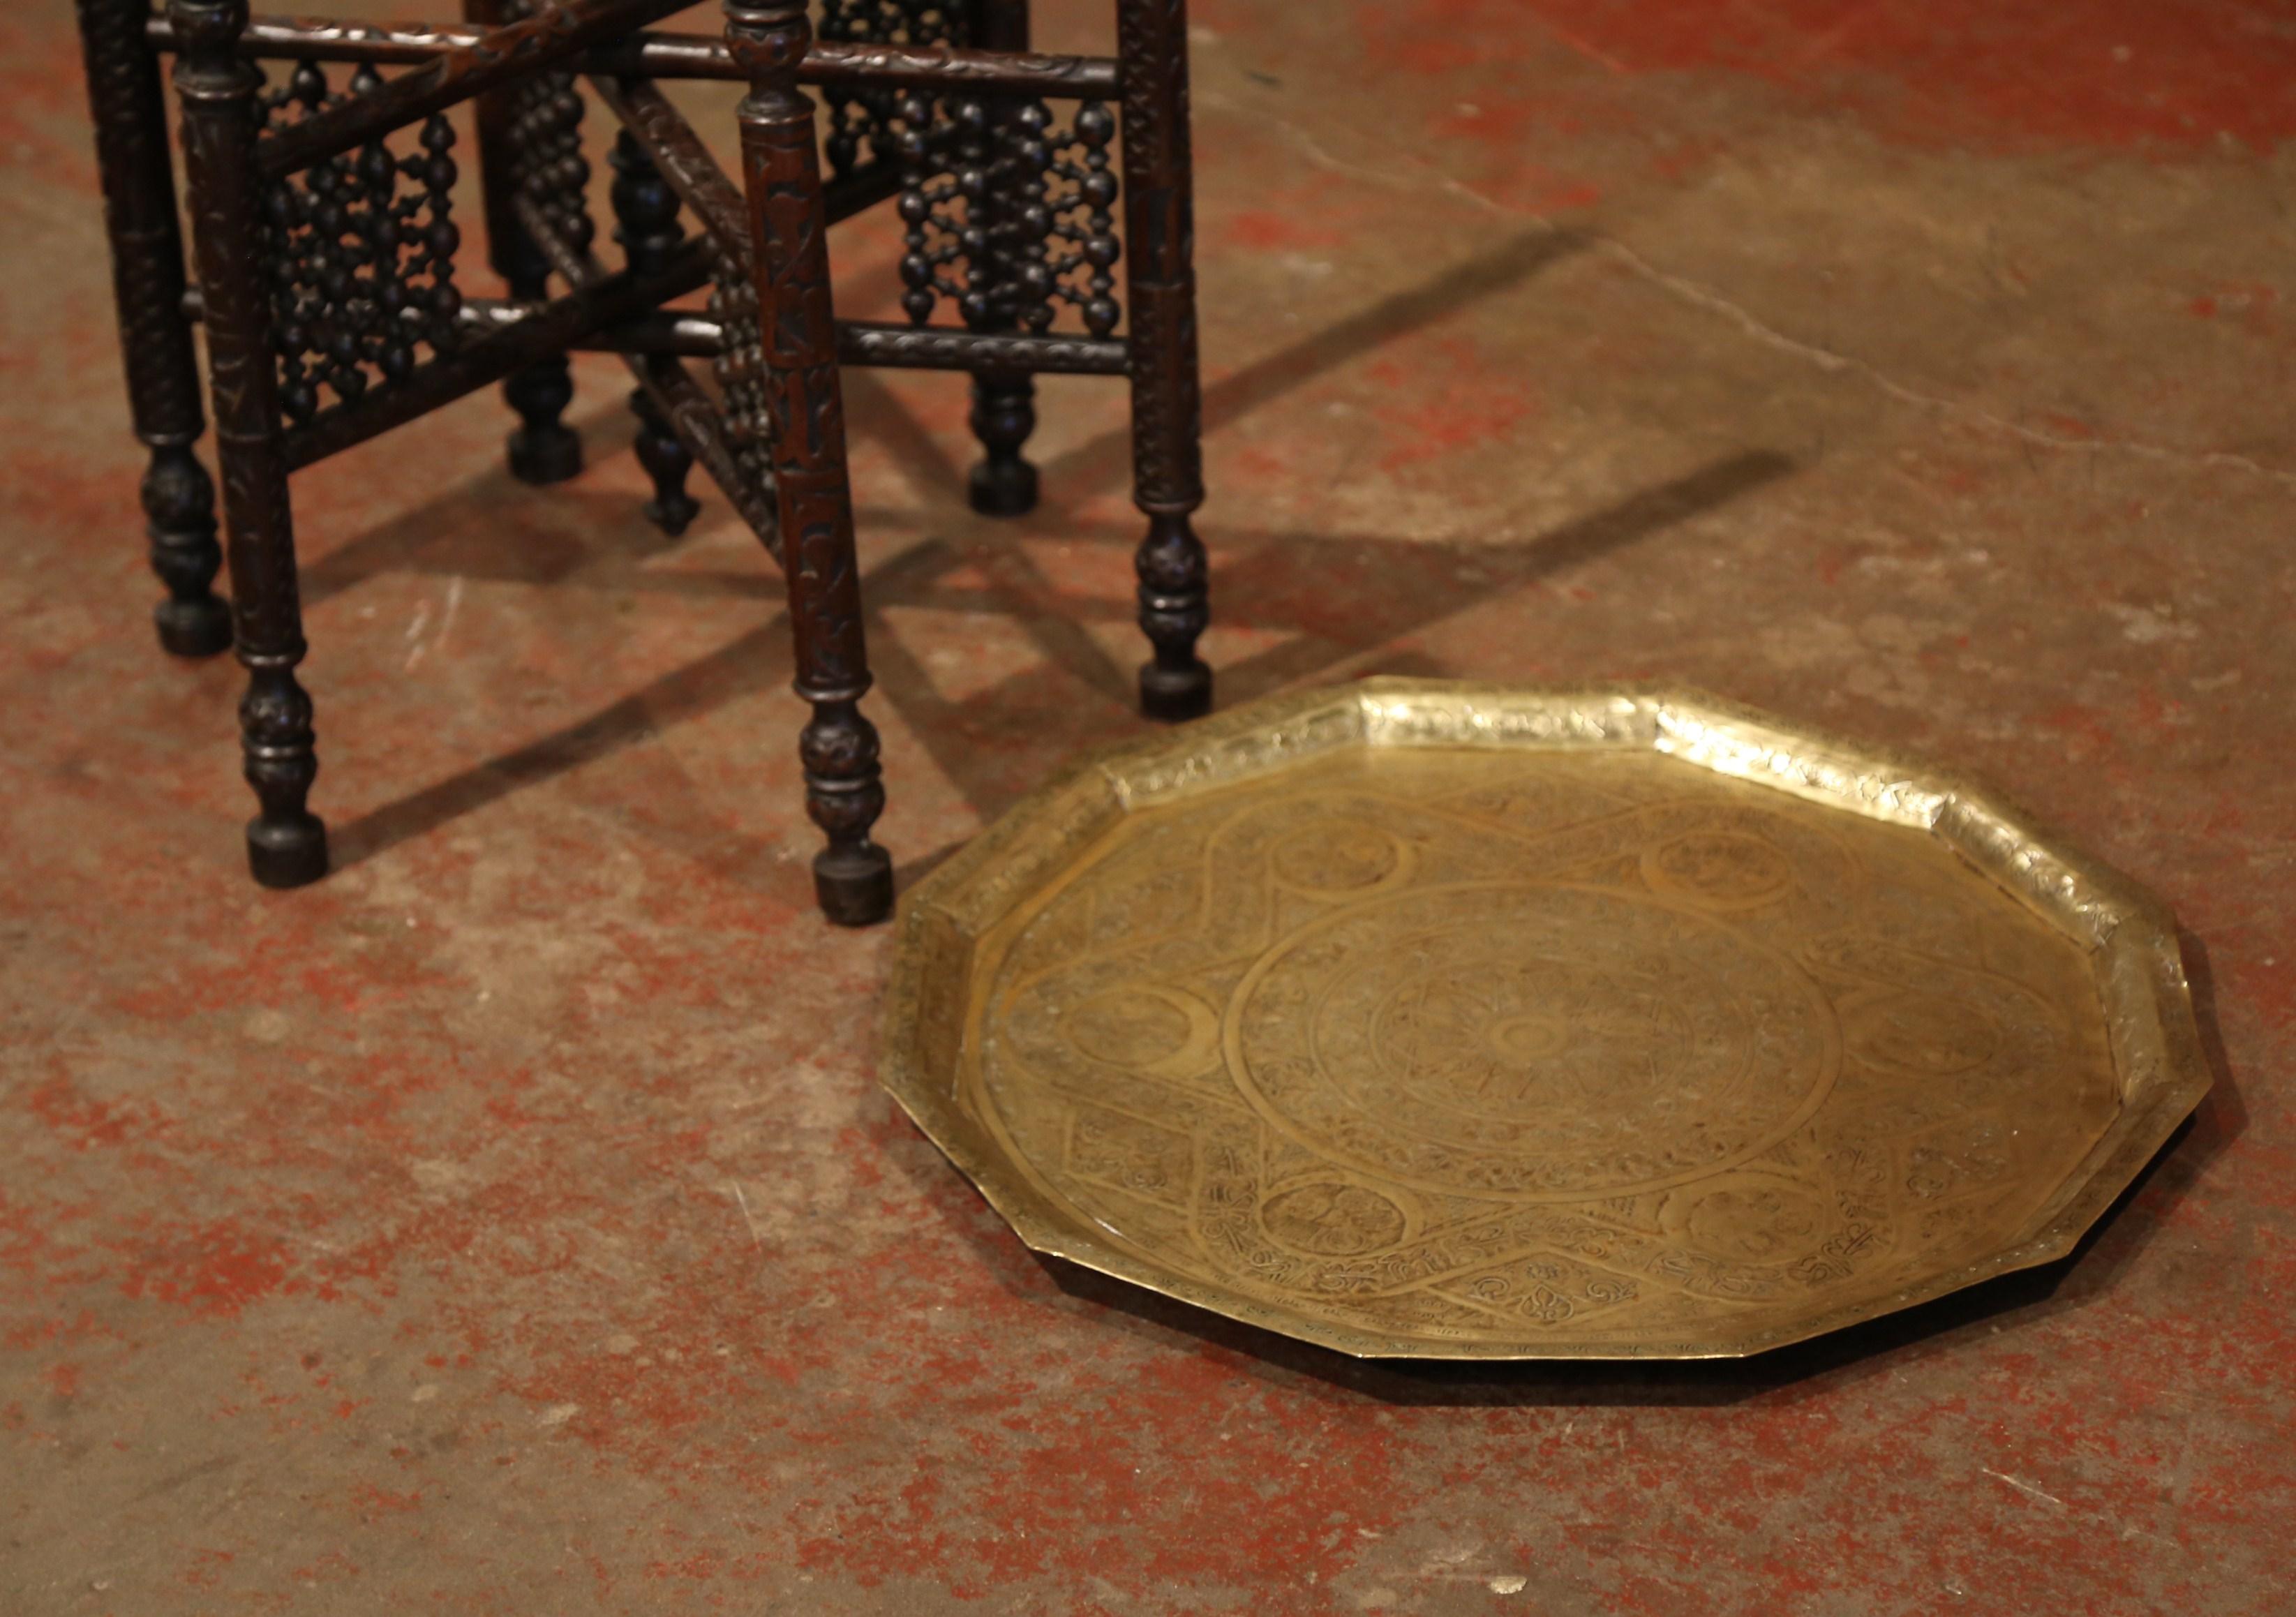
{"x":1531,"y":1043}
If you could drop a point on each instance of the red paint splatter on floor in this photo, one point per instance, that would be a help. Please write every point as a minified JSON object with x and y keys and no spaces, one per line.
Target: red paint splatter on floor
{"x":83,"y":1123}
{"x":1478,"y":406}
{"x":375,"y":1501}
{"x":1260,"y":230}
{"x":215,"y":1270}
{"x":2253,"y":304}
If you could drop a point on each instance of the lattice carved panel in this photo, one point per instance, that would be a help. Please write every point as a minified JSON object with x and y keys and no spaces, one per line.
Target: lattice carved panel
{"x":545,"y":161}
{"x":1010,"y":214}
{"x":862,"y":131}
{"x":739,"y":369}
{"x":361,"y":251}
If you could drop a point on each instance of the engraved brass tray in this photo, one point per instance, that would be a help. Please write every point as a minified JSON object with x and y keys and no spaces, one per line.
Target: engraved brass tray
{"x":1448,"y":1021}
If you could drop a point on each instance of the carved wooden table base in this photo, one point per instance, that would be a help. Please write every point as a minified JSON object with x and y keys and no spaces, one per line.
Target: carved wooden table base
{"x":319,"y":165}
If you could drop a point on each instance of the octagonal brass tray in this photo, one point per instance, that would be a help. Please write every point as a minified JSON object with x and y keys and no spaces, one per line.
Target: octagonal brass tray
{"x":1448,"y":1021}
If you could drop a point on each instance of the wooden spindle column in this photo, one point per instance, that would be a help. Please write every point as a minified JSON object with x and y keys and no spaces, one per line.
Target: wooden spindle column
{"x":286,"y":844}
{"x":781,"y":166}
{"x":155,"y":337}
{"x":1166,"y":402}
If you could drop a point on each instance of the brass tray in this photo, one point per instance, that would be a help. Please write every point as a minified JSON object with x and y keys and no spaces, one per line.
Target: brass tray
{"x":1446,"y":1020}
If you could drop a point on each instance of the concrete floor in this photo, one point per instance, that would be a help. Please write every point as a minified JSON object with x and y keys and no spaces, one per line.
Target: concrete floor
{"x":512,"y":1222}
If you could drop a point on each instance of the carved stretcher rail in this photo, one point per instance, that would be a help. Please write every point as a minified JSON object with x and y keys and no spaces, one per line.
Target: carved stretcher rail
{"x":675,"y":55}
{"x":457,"y":72}
{"x":601,"y":306}
{"x":662,"y":331}
{"x":932,"y":348}
{"x":859,"y":343}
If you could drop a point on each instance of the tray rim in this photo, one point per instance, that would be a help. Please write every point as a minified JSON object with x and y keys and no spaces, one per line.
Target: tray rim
{"x":2129,"y":937}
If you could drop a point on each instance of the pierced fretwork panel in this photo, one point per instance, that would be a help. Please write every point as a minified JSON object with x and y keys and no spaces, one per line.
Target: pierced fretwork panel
{"x":1010,"y":216}
{"x":860,"y":132}
{"x":361,"y":251}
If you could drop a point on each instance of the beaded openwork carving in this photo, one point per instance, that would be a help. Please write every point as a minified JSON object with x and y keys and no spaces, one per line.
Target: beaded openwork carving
{"x":1010,"y":215}
{"x":324,"y":244}
{"x":739,"y":368}
{"x":361,"y":253}
{"x":544,"y":160}
{"x":860,"y":135}
{"x":1455,"y":1021}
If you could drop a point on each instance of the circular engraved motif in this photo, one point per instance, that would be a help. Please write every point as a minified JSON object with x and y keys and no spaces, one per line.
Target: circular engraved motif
{"x":1128,"y":1027}
{"x":1921,"y":1033}
{"x":1337,"y":856}
{"x":1531,"y":1043}
{"x":1749,"y":1217}
{"x":1720,"y":869}
{"x":1332,"y":1220}
{"x":1519,"y":1037}
{"x":1354,"y":1045}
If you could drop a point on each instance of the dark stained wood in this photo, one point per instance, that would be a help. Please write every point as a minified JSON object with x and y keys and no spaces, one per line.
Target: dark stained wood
{"x":1002,"y":482}
{"x":326,"y":259}
{"x":667,"y":461}
{"x":700,"y":426}
{"x":645,"y":224}
{"x":868,"y":344}
{"x":155,"y":339}
{"x":286,"y":844}
{"x":1167,"y":400}
{"x":781,"y":170}
{"x":555,"y":326}
{"x":671,"y":55}
{"x":657,"y":332}
{"x":678,"y":400}
{"x":935,"y":348}
{"x":555,"y":31}
{"x":683,"y":163}
{"x":542,"y":449}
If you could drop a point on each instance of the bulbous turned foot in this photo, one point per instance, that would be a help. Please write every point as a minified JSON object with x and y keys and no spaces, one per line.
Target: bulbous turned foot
{"x":1004,"y":414}
{"x":673,"y":514}
{"x":542,"y":448}
{"x":180,"y":524}
{"x":1003,"y":487}
{"x":287,"y":853}
{"x":666,"y":462}
{"x":198,"y":628}
{"x":855,"y":885}
{"x":1174,"y":694}
{"x":543,"y":455}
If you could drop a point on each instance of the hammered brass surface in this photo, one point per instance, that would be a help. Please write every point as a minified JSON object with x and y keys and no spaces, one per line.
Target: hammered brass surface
{"x":1424,"y":1019}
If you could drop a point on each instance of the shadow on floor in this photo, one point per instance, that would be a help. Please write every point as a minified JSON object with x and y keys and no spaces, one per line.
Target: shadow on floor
{"x":549,"y":536}
{"x":1265,"y":581}
{"x":1396,"y":588}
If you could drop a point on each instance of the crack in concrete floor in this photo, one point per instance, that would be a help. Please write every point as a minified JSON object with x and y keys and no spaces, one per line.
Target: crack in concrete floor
{"x":1713,"y":301}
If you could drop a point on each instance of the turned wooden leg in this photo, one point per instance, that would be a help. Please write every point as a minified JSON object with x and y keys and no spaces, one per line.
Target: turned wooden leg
{"x":1002,"y":483}
{"x":666,"y":460}
{"x":1003,"y":414}
{"x":780,"y":168}
{"x":1167,"y":403}
{"x":286,"y":844}
{"x":645,"y":223}
{"x":155,"y":339}
{"x":543,"y":450}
